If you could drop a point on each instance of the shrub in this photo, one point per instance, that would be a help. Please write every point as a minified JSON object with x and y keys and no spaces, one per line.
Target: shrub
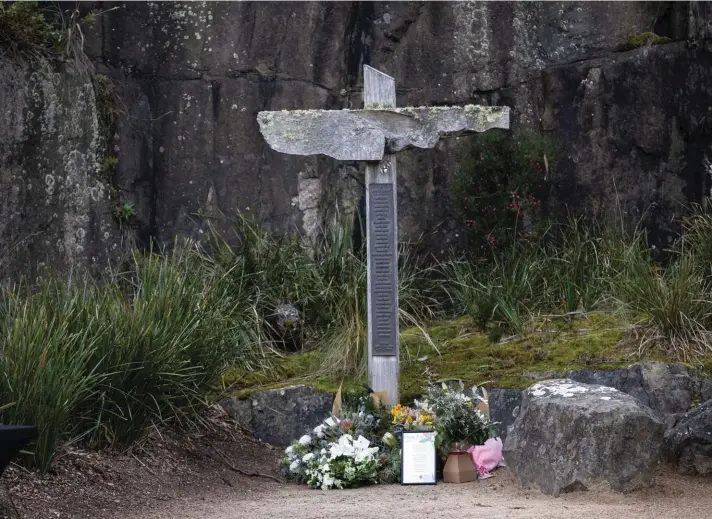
{"x":23,"y":28}
{"x":30,"y":31}
{"x":498,"y":194}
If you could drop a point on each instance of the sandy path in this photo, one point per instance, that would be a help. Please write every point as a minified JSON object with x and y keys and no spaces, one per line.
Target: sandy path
{"x":495,"y":498}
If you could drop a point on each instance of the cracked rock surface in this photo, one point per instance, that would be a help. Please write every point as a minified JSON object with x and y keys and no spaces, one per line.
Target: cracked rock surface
{"x":573,"y":436}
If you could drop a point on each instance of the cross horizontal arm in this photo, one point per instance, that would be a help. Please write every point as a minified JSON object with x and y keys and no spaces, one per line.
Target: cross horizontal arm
{"x":368,"y":134}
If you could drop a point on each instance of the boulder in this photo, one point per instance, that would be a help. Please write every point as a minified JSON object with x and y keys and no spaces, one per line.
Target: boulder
{"x":504,"y":407}
{"x":571,"y":436}
{"x":280,"y":416}
{"x":239,"y":410}
{"x":285,"y":326}
{"x":665,"y":388}
{"x":688,"y":444}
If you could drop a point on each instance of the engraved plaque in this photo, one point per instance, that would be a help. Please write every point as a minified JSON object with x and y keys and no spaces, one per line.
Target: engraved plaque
{"x":383,"y":269}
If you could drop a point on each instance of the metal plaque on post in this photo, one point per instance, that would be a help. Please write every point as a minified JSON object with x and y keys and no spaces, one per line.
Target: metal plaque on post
{"x":382,"y":242}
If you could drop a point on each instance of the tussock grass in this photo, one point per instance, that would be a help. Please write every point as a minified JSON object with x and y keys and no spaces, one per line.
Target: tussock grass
{"x":582,"y":268}
{"x":101,"y":362}
{"x":672,"y":305}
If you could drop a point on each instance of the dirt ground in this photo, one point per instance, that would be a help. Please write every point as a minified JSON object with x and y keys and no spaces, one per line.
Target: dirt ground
{"x":495,"y":498}
{"x":165,"y":468}
{"x":204,"y":477}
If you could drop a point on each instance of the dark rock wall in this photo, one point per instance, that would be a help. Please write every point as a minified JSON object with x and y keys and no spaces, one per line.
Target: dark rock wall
{"x":54,"y":201}
{"x":631,"y":126}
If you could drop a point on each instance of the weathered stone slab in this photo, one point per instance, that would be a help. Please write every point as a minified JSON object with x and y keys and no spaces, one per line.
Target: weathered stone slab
{"x":279,"y":416}
{"x":368,"y":134}
{"x":571,"y":436}
{"x":688,"y":444}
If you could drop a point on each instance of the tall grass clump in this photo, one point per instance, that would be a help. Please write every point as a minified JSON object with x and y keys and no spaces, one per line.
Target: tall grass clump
{"x":582,"y":265}
{"x":339,"y":276}
{"x":671,"y":305}
{"x":697,"y":239}
{"x":502,"y":292}
{"x":169,"y":336}
{"x":48,"y":362}
{"x":103,"y":362}
{"x":571,"y":269}
{"x":259,"y":271}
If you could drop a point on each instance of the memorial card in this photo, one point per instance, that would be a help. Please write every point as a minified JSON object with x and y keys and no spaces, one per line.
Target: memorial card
{"x":419,"y":458}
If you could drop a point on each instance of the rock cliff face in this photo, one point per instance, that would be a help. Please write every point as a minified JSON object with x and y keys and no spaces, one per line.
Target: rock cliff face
{"x":54,"y":208}
{"x":631,"y":124}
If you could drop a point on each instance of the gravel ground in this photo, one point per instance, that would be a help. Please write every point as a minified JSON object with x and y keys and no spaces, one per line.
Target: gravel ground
{"x":498,"y":497}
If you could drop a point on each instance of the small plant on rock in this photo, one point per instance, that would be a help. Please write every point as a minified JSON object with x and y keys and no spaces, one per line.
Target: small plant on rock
{"x":124,"y":213}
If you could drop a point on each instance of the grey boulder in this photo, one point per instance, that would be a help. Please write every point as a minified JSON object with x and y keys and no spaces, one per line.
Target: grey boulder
{"x":571,"y":436}
{"x":280,"y":416}
{"x":688,"y":444}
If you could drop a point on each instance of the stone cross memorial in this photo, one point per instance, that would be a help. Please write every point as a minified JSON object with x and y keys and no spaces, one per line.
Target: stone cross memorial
{"x":374,"y":135}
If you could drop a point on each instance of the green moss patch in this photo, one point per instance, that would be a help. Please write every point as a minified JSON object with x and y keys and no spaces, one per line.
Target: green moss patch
{"x":516,"y":362}
{"x":287,"y":371}
{"x":458,"y":350}
{"x":646,"y":38}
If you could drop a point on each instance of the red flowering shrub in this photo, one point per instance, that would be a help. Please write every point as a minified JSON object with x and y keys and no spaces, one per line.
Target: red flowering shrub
{"x":500,"y":192}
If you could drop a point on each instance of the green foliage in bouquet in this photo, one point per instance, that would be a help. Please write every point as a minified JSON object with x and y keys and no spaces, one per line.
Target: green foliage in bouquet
{"x":456,"y":416}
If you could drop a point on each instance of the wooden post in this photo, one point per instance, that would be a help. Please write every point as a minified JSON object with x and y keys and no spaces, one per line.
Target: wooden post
{"x":382,"y":237}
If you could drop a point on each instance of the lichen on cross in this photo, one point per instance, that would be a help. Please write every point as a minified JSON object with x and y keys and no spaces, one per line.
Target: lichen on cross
{"x":374,"y":135}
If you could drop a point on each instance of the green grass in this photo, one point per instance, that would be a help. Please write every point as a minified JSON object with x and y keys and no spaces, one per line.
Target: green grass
{"x":101,"y":362}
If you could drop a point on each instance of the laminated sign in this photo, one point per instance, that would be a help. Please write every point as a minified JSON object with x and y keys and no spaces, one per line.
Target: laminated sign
{"x":419,"y":458}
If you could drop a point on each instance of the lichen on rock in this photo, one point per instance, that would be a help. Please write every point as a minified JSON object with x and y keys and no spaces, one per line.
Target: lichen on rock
{"x":53,"y":140}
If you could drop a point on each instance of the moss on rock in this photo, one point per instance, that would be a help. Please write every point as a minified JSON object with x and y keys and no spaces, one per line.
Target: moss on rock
{"x":646,"y":38}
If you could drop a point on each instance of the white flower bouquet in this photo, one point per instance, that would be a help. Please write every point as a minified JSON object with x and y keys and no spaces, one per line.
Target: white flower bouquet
{"x":343,"y":464}
{"x":308,"y":449}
